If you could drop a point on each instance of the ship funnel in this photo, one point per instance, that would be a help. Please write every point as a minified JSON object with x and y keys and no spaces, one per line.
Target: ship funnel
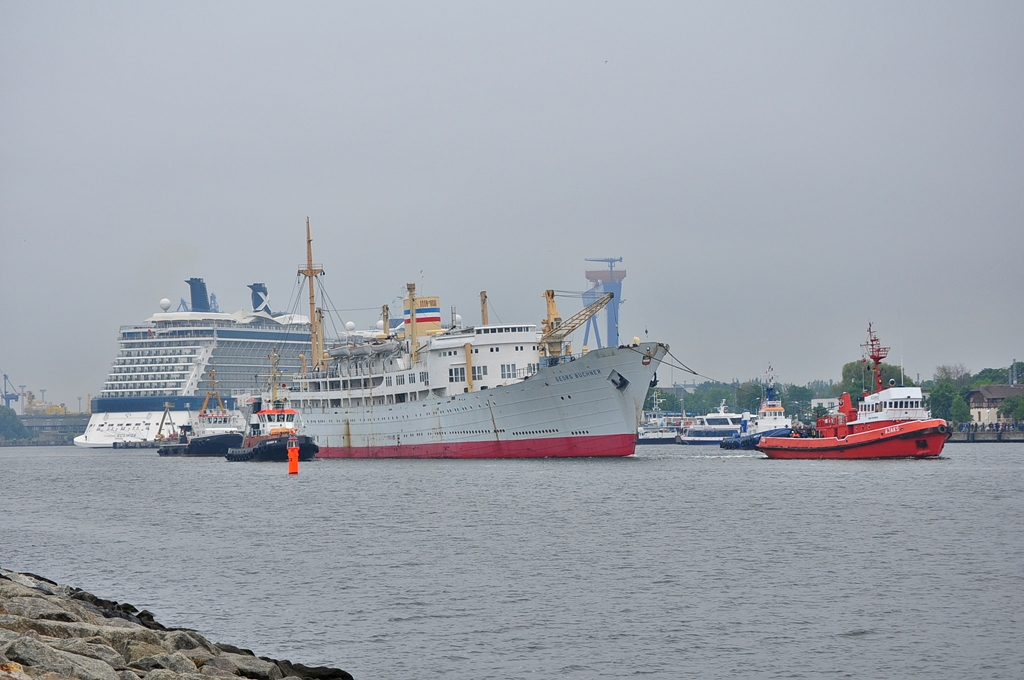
{"x":200,"y":299}
{"x":260,"y":298}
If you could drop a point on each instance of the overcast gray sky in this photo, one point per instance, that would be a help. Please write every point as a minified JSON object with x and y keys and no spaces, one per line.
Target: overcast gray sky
{"x":774,"y":175}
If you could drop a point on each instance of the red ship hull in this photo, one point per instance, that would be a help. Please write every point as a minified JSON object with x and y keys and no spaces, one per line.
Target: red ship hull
{"x":907,"y":439}
{"x":554,"y":447}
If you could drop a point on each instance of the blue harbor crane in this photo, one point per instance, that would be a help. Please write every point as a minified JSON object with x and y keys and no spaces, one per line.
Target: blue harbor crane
{"x":8,"y":397}
{"x":604,"y":281}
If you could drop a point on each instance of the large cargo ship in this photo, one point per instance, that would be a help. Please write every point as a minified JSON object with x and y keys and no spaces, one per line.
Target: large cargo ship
{"x":162,"y":372}
{"x":421,"y":390}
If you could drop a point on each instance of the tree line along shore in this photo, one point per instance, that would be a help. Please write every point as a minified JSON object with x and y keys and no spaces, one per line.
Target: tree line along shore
{"x":51,"y":632}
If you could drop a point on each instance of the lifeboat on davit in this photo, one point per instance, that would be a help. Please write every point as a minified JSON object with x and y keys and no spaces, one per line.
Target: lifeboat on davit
{"x":889,"y":423}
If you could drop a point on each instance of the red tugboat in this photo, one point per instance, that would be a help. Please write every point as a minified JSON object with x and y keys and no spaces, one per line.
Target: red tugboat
{"x":889,"y":423}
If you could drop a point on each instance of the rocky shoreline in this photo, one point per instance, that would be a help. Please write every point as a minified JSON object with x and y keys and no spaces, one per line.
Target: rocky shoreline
{"x":50,"y":632}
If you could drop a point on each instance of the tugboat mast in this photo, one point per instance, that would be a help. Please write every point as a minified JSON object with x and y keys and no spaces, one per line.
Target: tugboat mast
{"x":876,"y":353}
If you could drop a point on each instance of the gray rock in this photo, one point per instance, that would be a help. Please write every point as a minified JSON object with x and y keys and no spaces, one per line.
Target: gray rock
{"x":103,"y":652}
{"x":133,"y":650}
{"x":161,"y":674}
{"x":78,"y":609}
{"x":12,"y":589}
{"x":120,"y":623}
{"x":198,"y":656}
{"x":15,"y":624}
{"x":311,"y":672}
{"x":87,"y":668}
{"x":35,"y":582}
{"x":252,"y":667}
{"x":181,"y":640}
{"x":218,"y":666}
{"x":177,"y":662}
{"x":127,"y":675}
{"x":40,"y":657}
{"x":119,"y":638}
{"x":40,"y":608}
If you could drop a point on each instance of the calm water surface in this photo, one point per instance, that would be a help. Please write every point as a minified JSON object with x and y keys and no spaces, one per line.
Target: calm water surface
{"x":677,"y":562}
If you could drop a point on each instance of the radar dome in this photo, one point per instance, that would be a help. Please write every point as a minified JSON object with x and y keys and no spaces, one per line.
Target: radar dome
{"x":380,"y":325}
{"x":350,"y":326}
{"x":458,"y":319}
{"x":165,"y":304}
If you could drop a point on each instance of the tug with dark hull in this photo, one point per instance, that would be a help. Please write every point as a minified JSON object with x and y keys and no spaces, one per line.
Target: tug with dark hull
{"x":273,"y":450}
{"x":271,"y":432}
{"x":213,"y":445}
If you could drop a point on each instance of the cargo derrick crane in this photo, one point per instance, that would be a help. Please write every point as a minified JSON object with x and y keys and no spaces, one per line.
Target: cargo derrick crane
{"x":555,"y":330}
{"x":8,"y":397}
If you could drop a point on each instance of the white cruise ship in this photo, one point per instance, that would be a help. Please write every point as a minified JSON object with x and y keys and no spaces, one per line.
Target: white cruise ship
{"x":161,"y":375}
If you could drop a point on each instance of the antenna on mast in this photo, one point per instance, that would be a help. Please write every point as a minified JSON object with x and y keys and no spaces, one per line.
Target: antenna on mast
{"x":900,"y":325}
{"x":876,"y":353}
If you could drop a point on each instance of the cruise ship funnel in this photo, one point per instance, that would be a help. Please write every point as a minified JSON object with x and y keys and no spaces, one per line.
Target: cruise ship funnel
{"x":260,"y":298}
{"x":200,"y":298}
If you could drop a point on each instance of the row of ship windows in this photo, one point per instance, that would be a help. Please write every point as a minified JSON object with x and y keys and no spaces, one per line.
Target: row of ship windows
{"x":400,"y":379}
{"x":505,"y":329}
{"x":476,"y":350}
{"x":152,"y":362}
{"x":148,"y":388}
{"x":898,"y":403}
{"x":149,"y":372}
{"x":380,"y":400}
{"x":457,"y":374}
{"x":364,"y":383}
{"x":162,"y":352}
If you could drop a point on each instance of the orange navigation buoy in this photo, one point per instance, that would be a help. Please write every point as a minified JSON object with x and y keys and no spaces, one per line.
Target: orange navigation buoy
{"x":293,"y":455}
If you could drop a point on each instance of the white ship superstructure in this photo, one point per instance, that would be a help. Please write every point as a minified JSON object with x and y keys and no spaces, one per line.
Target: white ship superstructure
{"x":161,"y":375}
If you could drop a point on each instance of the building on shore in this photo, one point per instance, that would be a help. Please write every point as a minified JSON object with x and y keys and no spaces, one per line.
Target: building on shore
{"x":985,"y":401}
{"x":830,"y":403}
{"x":57,"y":429}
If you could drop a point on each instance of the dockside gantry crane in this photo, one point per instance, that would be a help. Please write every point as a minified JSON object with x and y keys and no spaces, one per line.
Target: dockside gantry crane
{"x":8,"y":397}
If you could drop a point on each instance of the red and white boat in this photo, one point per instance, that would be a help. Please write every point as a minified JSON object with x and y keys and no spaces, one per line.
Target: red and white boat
{"x":889,"y":423}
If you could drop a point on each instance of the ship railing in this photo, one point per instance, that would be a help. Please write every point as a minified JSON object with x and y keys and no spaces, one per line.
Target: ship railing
{"x":526,"y":372}
{"x":832,"y":420}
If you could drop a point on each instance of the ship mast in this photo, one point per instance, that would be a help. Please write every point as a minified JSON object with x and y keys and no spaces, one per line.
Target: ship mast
{"x":310,"y":272}
{"x":273,"y":377}
{"x":876,"y":353}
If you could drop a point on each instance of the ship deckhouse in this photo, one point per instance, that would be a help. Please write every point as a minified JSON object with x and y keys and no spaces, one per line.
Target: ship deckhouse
{"x":455,"y":361}
{"x":894,"y":403}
